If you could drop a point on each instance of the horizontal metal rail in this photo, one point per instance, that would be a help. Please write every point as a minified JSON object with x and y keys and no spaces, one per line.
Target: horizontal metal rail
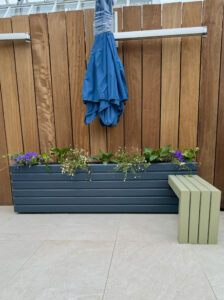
{"x":15,"y":36}
{"x":161,"y":33}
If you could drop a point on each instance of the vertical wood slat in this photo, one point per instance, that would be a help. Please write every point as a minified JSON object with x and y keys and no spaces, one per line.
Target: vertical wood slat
{"x":12,"y":77}
{"x":190,"y":75}
{"x":132,"y":65}
{"x":25,"y":81}
{"x":60,"y":79}
{"x":151,"y":68}
{"x":42,"y":79}
{"x":5,"y":187}
{"x":98,"y":137}
{"x":208,"y":103}
{"x":219,"y":161}
{"x":115,"y":135}
{"x":76,"y":54}
{"x":170,"y":78}
{"x":8,"y":82}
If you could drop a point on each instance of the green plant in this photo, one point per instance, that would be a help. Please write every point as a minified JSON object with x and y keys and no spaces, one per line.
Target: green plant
{"x":181,"y":158}
{"x":190,"y":155}
{"x":162,"y":154}
{"x":29,"y":159}
{"x":104,"y":158}
{"x":59,"y":154}
{"x":130,"y":162}
{"x":186,"y":156}
{"x":73,"y":161}
{"x":45,"y":159}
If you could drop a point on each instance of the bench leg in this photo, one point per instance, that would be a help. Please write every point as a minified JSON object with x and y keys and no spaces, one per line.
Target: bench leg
{"x":214,"y":218}
{"x":184,"y":208}
{"x":204,"y":217}
{"x":194,"y":217}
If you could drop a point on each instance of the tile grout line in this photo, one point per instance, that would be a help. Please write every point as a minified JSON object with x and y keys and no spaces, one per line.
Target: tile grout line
{"x":202,"y":270}
{"x":112,"y":255}
{"x":19,"y":269}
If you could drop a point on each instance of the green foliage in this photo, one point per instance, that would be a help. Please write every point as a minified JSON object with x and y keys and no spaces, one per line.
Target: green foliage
{"x":104,"y":158}
{"x":45,"y":159}
{"x":160,"y":155}
{"x":59,"y":154}
{"x":73,"y":161}
{"x":190,"y":155}
{"x":28,"y":159}
{"x":181,"y":158}
{"x":130,"y":162}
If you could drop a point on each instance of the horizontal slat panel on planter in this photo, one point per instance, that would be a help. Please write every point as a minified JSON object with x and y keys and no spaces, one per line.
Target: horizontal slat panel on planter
{"x":99,"y":168}
{"x":90,"y":184}
{"x":97,"y":176}
{"x":36,"y":189}
{"x":95,"y":200}
{"x":97,"y":208}
{"x":92,"y":192}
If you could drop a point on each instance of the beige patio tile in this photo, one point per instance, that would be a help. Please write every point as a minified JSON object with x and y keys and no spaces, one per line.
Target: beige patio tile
{"x":211,"y":258}
{"x":156,"y":271}
{"x":6,"y":213}
{"x":148,"y":227}
{"x":13,"y":254}
{"x":62,"y":270}
{"x":60,"y":227}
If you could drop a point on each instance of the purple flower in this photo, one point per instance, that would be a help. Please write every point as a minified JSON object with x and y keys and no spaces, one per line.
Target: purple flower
{"x":25,"y":159}
{"x":179,"y":156}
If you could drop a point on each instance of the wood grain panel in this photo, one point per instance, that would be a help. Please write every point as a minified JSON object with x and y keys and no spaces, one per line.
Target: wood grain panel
{"x":8,"y":82}
{"x":76,"y":54}
{"x":115,"y":134}
{"x":60,"y":79}
{"x":89,"y":37}
{"x":132,"y":64}
{"x":42,"y":78}
{"x":219,"y":162}
{"x":190,"y":75}
{"x":208,"y":105}
{"x":5,"y":186}
{"x":151,"y":66}
{"x":25,"y":81}
{"x":170,"y":78}
{"x":98,"y":136}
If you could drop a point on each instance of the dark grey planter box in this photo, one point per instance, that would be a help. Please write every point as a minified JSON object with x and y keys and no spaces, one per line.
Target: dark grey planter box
{"x":37,"y":190}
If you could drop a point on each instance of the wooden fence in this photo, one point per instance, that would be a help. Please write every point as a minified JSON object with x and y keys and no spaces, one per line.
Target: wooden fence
{"x":176,"y":86}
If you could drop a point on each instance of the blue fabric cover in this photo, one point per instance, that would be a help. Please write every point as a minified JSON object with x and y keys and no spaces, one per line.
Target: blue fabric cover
{"x":104,"y":88}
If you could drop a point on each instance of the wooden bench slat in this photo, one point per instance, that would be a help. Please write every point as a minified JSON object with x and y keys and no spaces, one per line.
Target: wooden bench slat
{"x":194,"y":209}
{"x":206,"y":184}
{"x":184,"y":204}
{"x":199,"y":206}
{"x":214,"y":210}
{"x":204,"y":210}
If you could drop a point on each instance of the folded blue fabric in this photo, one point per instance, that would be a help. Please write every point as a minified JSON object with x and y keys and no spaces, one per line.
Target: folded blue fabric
{"x":104,"y":89}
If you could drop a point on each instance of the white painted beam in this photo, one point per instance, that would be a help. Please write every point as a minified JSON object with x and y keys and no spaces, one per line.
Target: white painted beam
{"x":160,"y":33}
{"x":14,"y":36}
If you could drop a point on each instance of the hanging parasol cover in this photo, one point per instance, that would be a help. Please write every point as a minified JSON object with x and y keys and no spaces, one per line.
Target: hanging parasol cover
{"x":104,"y":88}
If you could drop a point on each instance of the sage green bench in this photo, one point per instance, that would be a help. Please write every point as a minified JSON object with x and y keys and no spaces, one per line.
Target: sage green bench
{"x":199,"y":209}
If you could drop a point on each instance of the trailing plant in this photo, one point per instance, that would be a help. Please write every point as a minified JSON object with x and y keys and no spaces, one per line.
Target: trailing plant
{"x":59,"y":154}
{"x":162,"y":154}
{"x":130,"y":163}
{"x":104,"y":158}
{"x":187,"y":156}
{"x":73,"y":161}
